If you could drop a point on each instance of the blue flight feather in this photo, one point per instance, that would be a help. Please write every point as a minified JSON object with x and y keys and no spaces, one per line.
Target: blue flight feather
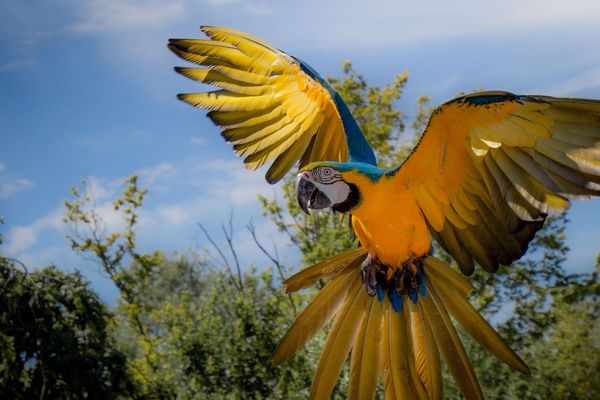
{"x":359,"y":149}
{"x":482,"y":99}
{"x":396,"y":299}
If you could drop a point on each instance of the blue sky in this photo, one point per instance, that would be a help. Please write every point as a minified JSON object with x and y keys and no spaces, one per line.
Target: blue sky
{"x":87,"y":91}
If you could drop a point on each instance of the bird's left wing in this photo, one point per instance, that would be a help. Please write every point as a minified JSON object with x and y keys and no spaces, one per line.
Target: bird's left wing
{"x":491,"y":166}
{"x":271,"y":106}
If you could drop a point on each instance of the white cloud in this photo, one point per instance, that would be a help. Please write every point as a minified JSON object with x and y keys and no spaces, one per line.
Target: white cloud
{"x":353,"y":23}
{"x":155,"y":173}
{"x":11,"y":183}
{"x":100,"y":16}
{"x":172,"y":214}
{"x":197,"y":140}
{"x":13,"y":186}
{"x":218,"y":186}
{"x":584,"y":81}
{"x":259,"y":9}
{"x":253,"y":7}
{"x":20,"y":238}
{"x":16,"y":64}
{"x":221,"y":2}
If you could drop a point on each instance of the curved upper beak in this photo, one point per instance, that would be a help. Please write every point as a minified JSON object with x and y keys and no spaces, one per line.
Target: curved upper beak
{"x":309,"y":196}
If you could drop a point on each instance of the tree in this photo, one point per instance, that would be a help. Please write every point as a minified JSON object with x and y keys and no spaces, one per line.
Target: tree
{"x":54,"y":338}
{"x":191,"y":328}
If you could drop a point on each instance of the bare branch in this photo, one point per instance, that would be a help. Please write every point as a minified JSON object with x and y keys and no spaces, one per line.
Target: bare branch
{"x":223,"y":257}
{"x":274,"y":259}
{"x":229,"y":238}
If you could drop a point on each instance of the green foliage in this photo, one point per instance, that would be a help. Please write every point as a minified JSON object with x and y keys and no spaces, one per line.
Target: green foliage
{"x":54,"y":338}
{"x":189,"y":327}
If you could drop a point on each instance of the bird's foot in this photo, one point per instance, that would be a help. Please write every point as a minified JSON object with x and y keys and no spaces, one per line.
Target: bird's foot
{"x":409,"y":279}
{"x":372,"y":271}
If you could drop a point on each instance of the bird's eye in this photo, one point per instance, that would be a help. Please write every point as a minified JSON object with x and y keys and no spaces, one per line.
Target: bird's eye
{"x":324,"y":174}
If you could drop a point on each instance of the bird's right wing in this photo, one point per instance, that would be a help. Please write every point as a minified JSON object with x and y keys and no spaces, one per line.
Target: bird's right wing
{"x":271,"y":106}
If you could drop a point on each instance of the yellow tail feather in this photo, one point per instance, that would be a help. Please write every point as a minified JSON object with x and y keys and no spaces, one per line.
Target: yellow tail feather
{"x":403,"y":348}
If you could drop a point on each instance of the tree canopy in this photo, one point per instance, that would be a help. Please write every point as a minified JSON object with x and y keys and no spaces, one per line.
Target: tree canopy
{"x":185,"y":326}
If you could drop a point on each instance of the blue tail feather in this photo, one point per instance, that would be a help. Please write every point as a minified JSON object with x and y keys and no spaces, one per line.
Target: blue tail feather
{"x":396,"y":299}
{"x":412,"y":293}
{"x":422,"y":281}
{"x":379,"y":292}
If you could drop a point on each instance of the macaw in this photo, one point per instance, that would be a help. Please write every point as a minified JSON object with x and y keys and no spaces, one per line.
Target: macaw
{"x":487,"y":171}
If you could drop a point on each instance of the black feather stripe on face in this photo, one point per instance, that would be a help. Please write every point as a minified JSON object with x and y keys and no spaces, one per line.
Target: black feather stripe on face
{"x":351,"y":201}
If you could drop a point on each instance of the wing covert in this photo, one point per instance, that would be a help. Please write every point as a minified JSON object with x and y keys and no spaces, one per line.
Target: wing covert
{"x":270,"y":106}
{"x":491,"y":166}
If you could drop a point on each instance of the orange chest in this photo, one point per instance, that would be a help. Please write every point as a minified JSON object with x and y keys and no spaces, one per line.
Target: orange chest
{"x":391,"y":229}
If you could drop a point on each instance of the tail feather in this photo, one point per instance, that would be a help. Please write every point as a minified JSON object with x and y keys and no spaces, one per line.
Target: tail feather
{"x":466,"y":315}
{"x":402,"y":346}
{"x":327,"y":269}
{"x":394,"y":353}
{"x":451,"y":346}
{"x":426,"y":353}
{"x":364,"y":362}
{"x":339,"y":342}
{"x":418,"y":390}
{"x":315,"y":316}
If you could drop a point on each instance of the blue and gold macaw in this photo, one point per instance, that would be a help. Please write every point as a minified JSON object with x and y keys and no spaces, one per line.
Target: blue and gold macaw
{"x":488,"y":170}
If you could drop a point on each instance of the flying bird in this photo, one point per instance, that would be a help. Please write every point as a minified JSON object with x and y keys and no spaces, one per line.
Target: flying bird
{"x":489,"y":168}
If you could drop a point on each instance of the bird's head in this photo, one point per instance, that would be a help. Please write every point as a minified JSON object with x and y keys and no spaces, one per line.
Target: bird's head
{"x":327,"y":184}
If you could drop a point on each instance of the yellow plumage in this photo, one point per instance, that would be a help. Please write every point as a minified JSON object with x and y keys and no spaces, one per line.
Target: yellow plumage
{"x":403,"y":349}
{"x":488,"y":170}
{"x":256,"y":79}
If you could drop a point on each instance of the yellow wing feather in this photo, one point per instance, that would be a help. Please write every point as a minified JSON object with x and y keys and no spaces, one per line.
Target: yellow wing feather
{"x":492,"y":166}
{"x":268,"y":107}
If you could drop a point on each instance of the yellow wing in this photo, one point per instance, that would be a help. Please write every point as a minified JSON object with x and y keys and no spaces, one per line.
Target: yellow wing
{"x":492,"y":166}
{"x":271,"y":106}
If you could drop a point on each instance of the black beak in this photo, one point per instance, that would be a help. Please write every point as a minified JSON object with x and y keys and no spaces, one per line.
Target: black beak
{"x":309,"y":196}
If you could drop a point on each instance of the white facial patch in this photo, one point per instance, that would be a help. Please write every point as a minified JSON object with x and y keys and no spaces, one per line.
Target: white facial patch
{"x":337,"y":192}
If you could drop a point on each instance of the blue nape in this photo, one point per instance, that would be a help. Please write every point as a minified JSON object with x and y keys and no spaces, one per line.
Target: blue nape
{"x":359,"y":149}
